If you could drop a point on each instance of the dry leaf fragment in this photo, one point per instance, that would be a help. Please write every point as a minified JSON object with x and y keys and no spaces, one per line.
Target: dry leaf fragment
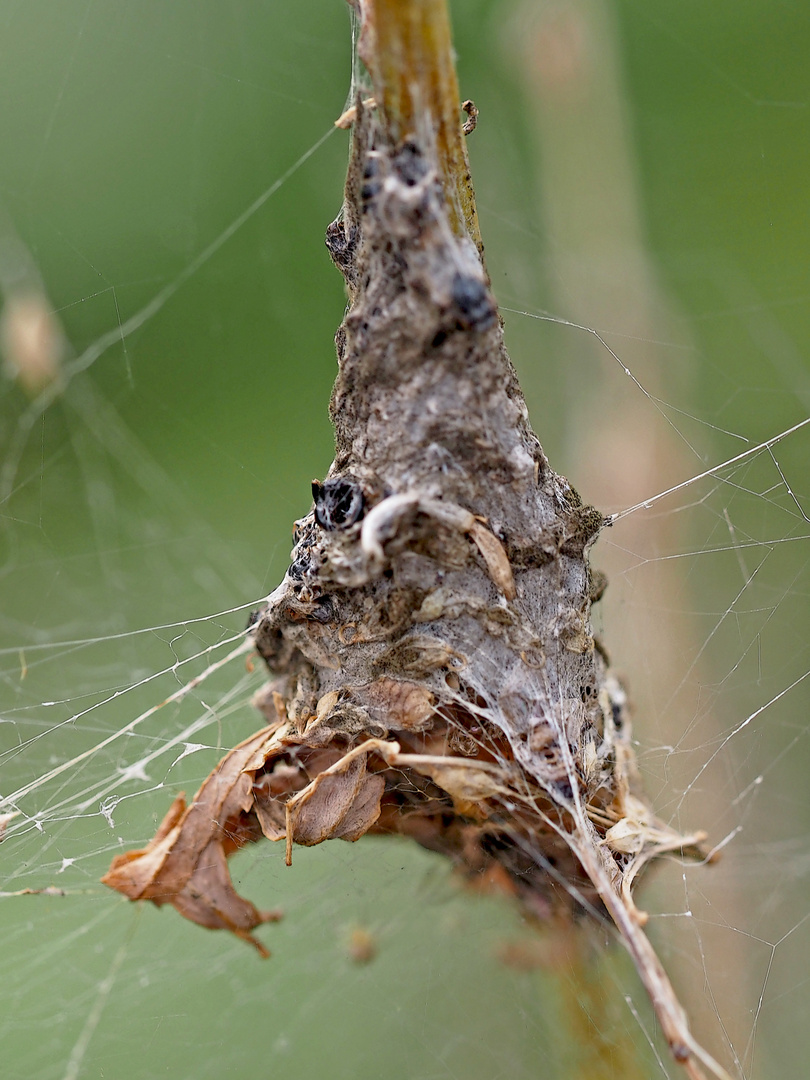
{"x":399,"y":703}
{"x":4,"y":820}
{"x":337,"y":806}
{"x":468,"y":784}
{"x":185,"y":862}
{"x":470,"y":124}
{"x":342,"y":802}
{"x":494,"y":555}
{"x":348,"y":117}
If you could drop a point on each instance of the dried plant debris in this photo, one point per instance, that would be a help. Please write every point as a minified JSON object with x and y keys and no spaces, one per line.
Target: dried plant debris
{"x":4,"y":821}
{"x":434,"y":671}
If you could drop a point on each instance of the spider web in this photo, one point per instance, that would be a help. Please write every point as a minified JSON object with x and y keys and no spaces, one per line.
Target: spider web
{"x":169,"y":178}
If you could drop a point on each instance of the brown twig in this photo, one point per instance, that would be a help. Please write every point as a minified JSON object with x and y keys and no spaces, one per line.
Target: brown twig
{"x":408,"y":51}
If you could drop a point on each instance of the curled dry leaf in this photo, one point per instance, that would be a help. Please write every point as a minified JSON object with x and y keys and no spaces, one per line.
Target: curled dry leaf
{"x":341,"y":803}
{"x":185,"y":863}
{"x":494,"y":555}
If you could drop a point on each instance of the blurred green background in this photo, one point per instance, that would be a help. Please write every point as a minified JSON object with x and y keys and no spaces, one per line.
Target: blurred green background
{"x":641,"y":170}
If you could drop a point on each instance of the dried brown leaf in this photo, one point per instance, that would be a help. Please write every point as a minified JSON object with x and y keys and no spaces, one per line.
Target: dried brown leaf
{"x":399,"y":704}
{"x":341,"y":803}
{"x":185,"y":862}
{"x":494,"y":555}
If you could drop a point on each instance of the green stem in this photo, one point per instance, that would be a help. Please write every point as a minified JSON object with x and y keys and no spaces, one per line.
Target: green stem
{"x":407,"y":48}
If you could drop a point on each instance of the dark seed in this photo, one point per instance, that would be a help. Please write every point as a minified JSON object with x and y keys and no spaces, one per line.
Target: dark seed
{"x":369,"y":190}
{"x":324,"y":610}
{"x":475,"y":307}
{"x":410,"y":165}
{"x":298,"y":569}
{"x":339,"y":503}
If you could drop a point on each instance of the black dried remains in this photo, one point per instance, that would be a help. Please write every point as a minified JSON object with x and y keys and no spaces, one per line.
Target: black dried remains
{"x":434,"y":671}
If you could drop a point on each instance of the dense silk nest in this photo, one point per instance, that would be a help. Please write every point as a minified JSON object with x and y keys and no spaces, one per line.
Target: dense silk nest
{"x":434,"y":671}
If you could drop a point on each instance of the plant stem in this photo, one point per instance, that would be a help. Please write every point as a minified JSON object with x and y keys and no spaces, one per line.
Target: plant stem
{"x":407,"y":48}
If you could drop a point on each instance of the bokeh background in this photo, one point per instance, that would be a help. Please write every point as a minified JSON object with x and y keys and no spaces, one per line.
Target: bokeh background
{"x":641,"y":171}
